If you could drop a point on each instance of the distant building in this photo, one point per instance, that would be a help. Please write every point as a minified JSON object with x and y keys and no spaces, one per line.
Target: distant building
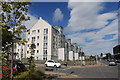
{"x":50,"y":43}
{"x":116,"y":49}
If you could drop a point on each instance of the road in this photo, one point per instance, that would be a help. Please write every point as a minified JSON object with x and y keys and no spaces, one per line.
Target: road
{"x":93,"y":72}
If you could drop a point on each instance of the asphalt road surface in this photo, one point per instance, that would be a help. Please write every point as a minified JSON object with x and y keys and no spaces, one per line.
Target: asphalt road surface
{"x":93,"y":72}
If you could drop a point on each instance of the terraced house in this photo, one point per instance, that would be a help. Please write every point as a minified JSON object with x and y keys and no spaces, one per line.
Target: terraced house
{"x":50,"y":43}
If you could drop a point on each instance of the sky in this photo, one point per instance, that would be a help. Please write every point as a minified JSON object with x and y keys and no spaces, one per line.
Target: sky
{"x":92,"y":25}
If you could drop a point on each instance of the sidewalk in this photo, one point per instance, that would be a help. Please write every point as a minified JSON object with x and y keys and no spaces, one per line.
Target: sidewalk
{"x":60,"y":75}
{"x":75,"y":66}
{"x":86,"y":66}
{"x":64,"y":75}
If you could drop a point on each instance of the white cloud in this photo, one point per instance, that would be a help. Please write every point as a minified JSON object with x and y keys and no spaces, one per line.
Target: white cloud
{"x":58,"y":15}
{"x":93,"y":0}
{"x":98,"y":44}
{"x":82,"y":13}
{"x":86,"y":16}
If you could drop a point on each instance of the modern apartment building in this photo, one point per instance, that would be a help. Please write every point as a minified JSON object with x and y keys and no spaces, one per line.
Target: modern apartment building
{"x":50,"y":43}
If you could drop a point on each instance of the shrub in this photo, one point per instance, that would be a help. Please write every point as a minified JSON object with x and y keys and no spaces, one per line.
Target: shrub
{"x":28,"y":75}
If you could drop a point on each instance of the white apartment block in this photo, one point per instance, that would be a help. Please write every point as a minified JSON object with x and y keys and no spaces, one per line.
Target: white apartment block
{"x":50,"y":43}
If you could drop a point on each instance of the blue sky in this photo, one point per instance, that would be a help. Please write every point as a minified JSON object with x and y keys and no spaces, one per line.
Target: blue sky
{"x":46,"y":10}
{"x":92,"y":25}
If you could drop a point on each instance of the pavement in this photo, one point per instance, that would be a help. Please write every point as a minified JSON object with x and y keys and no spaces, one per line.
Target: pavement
{"x":99,"y":70}
{"x":60,"y":75}
{"x":74,"y":66}
{"x":93,"y":72}
{"x":85,"y":66}
{"x":56,"y":72}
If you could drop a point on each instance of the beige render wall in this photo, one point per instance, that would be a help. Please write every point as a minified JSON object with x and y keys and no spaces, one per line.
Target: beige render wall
{"x":41,"y":25}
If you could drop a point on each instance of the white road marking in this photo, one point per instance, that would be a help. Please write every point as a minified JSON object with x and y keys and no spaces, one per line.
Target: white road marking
{"x":67,"y":68}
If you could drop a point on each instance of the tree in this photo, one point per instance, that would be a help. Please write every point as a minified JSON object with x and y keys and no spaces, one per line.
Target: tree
{"x":101,"y":55}
{"x":82,"y":54}
{"x":108,"y":56}
{"x":31,"y":59}
{"x":12,"y":16}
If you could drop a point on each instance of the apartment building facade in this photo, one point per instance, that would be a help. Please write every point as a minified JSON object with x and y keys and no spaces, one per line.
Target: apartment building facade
{"x":50,"y":43}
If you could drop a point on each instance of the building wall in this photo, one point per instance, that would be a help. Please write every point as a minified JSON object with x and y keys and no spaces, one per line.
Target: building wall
{"x":70,"y":55}
{"x":50,"y":43}
{"x":54,"y":44}
{"x":20,"y":50}
{"x":116,"y":49}
{"x":76,"y":56}
{"x":61,"y":55}
{"x":41,"y":25}
{"x":82,"y":58}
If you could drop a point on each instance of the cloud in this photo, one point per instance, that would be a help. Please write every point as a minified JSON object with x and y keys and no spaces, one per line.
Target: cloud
{"x":86,"y":16}
{"x":58,"y":15}
{"x":93,"y":0}
{"x":82,"y":13}
{"x":97,"y":43}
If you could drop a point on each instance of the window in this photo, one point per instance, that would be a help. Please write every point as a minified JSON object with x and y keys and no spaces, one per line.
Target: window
{"x":38,"y":30}
{"x":37,"y":51}
{"x":18,"y":49}
{"x":28,"y":39}
{"x":37,"y":37}
{"x":33,"y":31}
{"x":45,"y":44}
{"x":33,"y":38}
{"x":51,"y":61}
{"x":45,"y":51}
{"x":37,"y":44}
{"x":34,"y":51}
{"x":45,"y":37}
{"x":43,"y":58}
{"x":28,"y":45}
{"x":22,"y":55}
{"x":28,"y":33}
{"x":27,"y":52}
{"x":46,"y":31}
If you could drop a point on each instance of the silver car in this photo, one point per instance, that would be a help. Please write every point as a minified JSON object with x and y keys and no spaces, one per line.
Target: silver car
{"x":112,"y":63}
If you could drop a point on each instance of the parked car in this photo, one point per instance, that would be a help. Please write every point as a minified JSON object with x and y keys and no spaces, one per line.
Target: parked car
{"x":19,"y":65}
{"x":112,"y":63}
{"x":118,"y":61}
{"x":52,"y":63}
{"x":109,"y":60}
